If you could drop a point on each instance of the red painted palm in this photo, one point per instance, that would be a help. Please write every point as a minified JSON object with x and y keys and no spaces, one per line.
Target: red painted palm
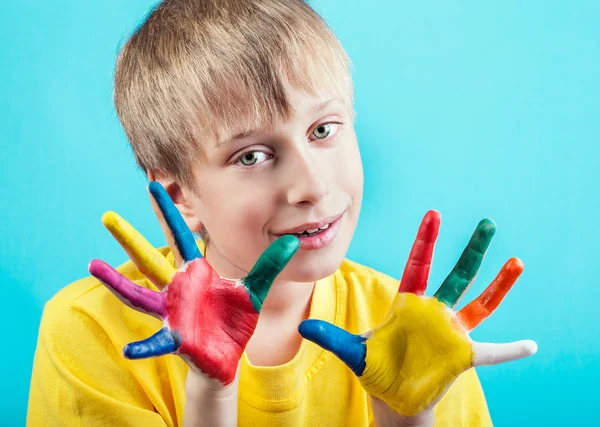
{"x":207,"y":319}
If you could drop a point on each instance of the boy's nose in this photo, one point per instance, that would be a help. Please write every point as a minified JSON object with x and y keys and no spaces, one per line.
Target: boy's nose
{"x":307,"y":182}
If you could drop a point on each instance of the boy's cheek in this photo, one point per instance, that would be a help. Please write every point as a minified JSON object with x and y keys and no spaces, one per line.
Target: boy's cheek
{"x":240,"y":237}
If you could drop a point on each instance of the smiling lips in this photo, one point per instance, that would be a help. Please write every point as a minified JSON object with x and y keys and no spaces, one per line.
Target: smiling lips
{"x":317,"y":235}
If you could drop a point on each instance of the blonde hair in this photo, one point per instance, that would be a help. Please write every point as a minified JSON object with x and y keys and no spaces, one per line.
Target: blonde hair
{"x":197,"y":70}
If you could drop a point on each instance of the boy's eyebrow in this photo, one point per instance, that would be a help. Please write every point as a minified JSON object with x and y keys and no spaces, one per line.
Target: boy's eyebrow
{"x":251,"y":132}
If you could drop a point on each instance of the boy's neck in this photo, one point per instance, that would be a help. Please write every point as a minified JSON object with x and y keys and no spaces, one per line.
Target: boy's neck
{"x":285,"y":297}
{"x":276,"y":339}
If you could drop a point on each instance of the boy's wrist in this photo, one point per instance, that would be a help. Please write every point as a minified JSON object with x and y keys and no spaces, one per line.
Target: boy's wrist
{"x":387,"y":417}
{"x":198,"y":385}
{"x":208,"y":402}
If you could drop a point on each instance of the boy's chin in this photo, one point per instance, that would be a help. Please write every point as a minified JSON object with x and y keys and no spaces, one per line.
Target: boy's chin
{"x":311,"y":268}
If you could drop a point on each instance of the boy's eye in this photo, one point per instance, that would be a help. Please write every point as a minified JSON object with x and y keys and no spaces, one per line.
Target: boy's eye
{"x":324,"y":130}
{"x":252,"y":157}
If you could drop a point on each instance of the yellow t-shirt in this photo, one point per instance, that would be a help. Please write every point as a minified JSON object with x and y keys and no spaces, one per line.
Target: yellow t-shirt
{"x":81,"y":378}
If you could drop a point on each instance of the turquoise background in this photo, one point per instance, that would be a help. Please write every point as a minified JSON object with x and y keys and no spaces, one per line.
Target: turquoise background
{"x":476,"y":109}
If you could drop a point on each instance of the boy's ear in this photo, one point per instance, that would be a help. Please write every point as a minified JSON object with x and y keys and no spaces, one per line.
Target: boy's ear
{"x":180,"y":198}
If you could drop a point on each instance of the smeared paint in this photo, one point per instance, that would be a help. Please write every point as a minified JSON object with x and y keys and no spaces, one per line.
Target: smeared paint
{"x":215,"y":320}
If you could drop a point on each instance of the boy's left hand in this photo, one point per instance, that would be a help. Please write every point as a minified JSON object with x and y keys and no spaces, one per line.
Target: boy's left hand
{"x":410,"y":360}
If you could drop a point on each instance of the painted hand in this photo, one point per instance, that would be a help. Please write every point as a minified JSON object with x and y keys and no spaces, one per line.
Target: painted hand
{"x":207,"y":319}
{"x":410,"y":360}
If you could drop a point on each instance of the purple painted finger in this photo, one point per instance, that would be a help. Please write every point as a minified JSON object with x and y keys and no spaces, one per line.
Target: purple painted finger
{"x":136,"y":297}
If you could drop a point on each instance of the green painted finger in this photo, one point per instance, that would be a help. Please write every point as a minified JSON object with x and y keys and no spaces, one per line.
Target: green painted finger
{"x":269,"y":265}
{"x":468,"y":264}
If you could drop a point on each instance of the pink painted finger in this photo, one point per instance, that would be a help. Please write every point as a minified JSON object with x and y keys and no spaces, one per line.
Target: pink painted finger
{"x":493,"y":354}
{"x":416,"y":273}
{"x":134,"y":296}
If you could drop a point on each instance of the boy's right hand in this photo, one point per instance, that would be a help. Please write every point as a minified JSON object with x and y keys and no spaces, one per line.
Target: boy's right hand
{"x":207,"y":319}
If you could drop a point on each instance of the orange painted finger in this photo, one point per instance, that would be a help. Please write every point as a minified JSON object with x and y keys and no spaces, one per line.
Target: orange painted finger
{"x":480,"y":308}
{"x":416,"y":273}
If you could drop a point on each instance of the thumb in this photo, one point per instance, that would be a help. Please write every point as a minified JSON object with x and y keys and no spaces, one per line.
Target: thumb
{"x":272,"y":261}
{"x":349,"y":348}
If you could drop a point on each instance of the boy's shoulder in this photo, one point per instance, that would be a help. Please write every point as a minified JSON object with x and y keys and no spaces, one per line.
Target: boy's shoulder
{"x":87,"y":310}
{"x":79,"y":363}
{"x":361,"y":278}
{"x":369,"y":294}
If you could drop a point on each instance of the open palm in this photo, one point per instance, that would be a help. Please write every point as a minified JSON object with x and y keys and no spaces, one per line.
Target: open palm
{"x":410,"y":360}
{"x":207,"y":319}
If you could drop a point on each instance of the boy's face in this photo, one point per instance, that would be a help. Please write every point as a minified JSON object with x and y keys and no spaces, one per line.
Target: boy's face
{"x":257,"y":187}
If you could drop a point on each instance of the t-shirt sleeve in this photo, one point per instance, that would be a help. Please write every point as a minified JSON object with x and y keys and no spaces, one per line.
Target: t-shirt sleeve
{"x":80,"y":379}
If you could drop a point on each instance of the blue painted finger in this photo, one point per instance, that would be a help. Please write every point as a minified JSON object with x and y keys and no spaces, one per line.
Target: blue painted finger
{"x":184,"y":239}
{"x":162,"y":342}
{"x":349,"y":348}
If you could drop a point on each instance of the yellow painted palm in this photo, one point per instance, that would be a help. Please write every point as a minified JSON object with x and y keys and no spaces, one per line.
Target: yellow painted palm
{"x":423,"y":345}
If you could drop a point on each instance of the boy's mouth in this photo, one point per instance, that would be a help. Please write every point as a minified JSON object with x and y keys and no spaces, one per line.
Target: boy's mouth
{"x":316,"y":235}
{"x":312,"y":232}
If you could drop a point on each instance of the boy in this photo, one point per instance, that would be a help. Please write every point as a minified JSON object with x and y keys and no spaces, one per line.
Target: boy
{"x":243,"y":112}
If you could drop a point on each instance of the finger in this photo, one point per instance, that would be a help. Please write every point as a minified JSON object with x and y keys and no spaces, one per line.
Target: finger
{"x":166,"y":231}
{"x":479,"y":309}
{"x":146,"y":258}
{"x":465,"y":270}
{"x":134,"y":296}
{"x":162,"y":342}
{"x":493,"y":354}
{"x":269,"y":265}
{"x":349,"y":348}
{"x":178,"y":229}
{"x":416,"y":273}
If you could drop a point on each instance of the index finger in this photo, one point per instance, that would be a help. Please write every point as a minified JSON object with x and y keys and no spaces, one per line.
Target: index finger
{"x":416,"y":273}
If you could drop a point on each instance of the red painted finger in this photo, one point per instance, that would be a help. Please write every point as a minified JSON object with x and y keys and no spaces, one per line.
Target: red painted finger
{"x":416,"y":273}
{"x":480,"y":308}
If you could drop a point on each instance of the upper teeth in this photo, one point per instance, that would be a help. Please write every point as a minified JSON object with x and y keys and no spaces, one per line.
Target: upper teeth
{"x":314,"y":230}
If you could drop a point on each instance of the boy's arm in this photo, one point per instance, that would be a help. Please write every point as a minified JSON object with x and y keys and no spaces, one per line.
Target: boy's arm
{"x":207,"y":406}
{"x":79,"y":377}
